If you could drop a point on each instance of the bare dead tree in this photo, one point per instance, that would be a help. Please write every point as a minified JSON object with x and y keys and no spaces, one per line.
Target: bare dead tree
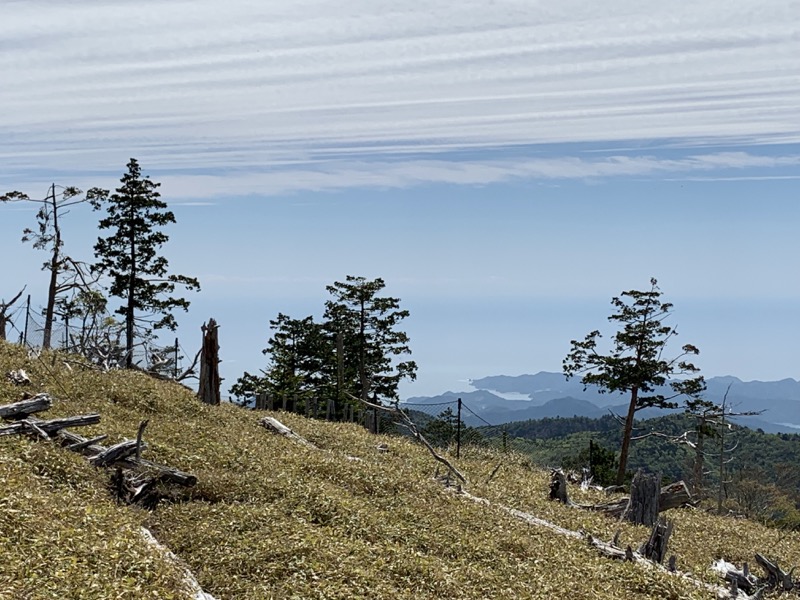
{"x":48,"y":236}
{"x":5,"y":316}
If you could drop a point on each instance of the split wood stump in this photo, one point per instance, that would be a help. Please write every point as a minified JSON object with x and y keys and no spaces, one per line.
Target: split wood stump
{"x":208,"y":391}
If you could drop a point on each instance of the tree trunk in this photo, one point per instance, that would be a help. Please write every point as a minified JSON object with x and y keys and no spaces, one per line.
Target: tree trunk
{"x":209,"y":365}
{"x":558,"y":487}
{"x":626,"y":437}
{"x":54,"y":265}
{"x":699,"y":461}
{"x":130,"y":308}
{"x":643,"y":507}
{"x":4,"y":318}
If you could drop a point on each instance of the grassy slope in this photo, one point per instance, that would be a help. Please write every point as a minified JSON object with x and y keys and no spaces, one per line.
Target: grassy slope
{"x":272,"y":519}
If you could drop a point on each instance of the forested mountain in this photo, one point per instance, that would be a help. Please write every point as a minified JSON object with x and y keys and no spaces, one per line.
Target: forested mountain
{"x":761,"y":470}
{"x":552,"y":395}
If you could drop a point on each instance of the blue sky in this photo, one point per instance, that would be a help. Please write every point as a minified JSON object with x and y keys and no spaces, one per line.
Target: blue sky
{"x":507,"y":168}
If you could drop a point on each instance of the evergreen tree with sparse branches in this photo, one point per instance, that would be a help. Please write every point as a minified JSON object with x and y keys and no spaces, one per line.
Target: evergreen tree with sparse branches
{"x":131,"y":256}
{"x":636,"y":363}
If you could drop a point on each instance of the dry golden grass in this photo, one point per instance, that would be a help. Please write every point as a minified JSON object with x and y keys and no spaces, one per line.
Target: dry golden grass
{"x":273,"y":519}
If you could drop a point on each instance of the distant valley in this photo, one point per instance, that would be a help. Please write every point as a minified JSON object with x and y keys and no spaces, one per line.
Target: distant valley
{"x":552,"y":395}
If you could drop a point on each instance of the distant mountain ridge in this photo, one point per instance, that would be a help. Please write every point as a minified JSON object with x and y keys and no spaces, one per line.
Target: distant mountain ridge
{"x":553,"y":395}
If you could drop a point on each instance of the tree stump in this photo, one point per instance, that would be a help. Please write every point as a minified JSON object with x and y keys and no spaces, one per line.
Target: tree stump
{"x":643,"y":506}
{"x":655,"y":548}
{"x":558,"y":487}
{"x":209,"y":365}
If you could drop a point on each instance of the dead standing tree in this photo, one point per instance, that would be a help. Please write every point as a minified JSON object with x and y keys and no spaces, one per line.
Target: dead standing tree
{"x":5,"y":316}
{"x":47,"y":236}
{"x":209,"y":364}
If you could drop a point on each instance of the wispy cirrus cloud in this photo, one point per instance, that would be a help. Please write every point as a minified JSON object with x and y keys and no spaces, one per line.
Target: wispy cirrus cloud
{"x":186,"y":85}
{"x":198,"y":186}
{"x":338,"y":175}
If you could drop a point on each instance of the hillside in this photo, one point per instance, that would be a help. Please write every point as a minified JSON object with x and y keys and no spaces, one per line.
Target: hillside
{"x":270,"y":518}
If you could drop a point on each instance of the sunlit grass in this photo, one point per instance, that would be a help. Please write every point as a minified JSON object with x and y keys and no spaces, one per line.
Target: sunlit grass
{"x":273,"y":519}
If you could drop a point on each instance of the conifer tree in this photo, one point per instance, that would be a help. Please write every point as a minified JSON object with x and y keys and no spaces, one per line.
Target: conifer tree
{"x":369,"y":342}
{"x":301,"y":358}
{"x":636,"y":363}
{"x":131,"y":256}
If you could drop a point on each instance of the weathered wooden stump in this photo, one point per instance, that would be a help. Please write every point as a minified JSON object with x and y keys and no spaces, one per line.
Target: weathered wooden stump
{"x":558,"y":487}
{"x":643,"y":506}
{"x":655,"y":548}
{"x":208,"y":391}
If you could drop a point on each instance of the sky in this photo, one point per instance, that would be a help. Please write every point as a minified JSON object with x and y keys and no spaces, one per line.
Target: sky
{"x":507,"y":167}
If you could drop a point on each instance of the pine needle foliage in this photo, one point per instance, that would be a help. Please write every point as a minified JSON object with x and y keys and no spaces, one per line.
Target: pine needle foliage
{"x":131,"y":256}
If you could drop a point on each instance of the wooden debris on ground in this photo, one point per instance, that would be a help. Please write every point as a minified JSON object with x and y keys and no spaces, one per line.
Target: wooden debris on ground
{"x":28,"y":406}
{"x":37,"y":427}
{"x":747,"y":585}
{"x":189,"y":580}
{"x":674,"y":495}
{"x":18,"y":377}
{"x":272,"y":424}
{"x":135,"y":480}
{"x":609,"y":549}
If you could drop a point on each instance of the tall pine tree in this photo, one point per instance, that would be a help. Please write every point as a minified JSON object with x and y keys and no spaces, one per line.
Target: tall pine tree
{"x":369,"y":342}
{"x":131,"y":256}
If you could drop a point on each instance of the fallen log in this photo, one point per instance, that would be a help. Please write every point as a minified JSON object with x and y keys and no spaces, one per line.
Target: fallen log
{"x":611,"y":550}
{"x":605,"y":548}
{"x":115,"y":453}
{"x":33,"y":427}
{"x":49,"y":427}
{"x":162,"y":473}
{"x":90,"y":448}
{"x":675,"y":495}
{"x":279,"y":428}
{"x":85,"y":444}
{"x":740,"y":579}
{"x":23,"y":408}
{"x":78,"y":443}
{"x":189,"y":580}
{"x":743,"y":581}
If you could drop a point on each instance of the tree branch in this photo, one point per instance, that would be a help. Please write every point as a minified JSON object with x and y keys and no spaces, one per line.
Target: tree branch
{"x":409,"y":424}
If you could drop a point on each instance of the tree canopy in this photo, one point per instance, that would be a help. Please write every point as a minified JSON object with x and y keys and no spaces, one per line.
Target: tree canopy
{"x":636,"y":362}
{"x":356,"y":350}
{"x":130,"y":256}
